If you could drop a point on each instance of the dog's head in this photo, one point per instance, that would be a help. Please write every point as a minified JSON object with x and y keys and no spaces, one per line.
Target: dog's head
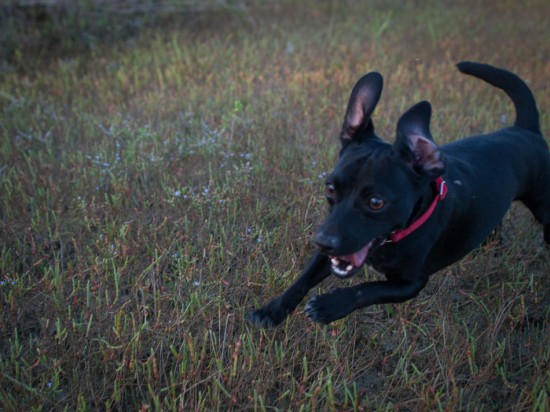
{"x":375,"y":186}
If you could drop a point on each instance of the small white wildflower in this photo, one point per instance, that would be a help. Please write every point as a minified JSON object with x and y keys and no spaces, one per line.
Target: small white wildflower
{"x":290,"y":47}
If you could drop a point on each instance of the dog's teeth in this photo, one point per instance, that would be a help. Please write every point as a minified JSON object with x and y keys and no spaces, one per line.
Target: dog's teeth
{"x":335,"y":261}
{"x":340,"y":272}
{"x":349,"y":267}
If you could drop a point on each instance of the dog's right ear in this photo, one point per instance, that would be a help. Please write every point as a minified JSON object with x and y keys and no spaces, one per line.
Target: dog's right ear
{"x":362,"y":102}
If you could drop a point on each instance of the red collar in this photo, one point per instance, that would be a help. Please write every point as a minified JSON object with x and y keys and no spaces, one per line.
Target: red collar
{"x":399,"y":234}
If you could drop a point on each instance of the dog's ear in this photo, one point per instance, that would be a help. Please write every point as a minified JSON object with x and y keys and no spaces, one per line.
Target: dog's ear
{"x":414,"y":142}
{"x":362,"y":102}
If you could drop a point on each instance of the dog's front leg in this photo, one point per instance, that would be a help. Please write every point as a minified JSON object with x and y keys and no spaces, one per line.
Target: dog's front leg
{"x":341,"y":302}
{"x":280,"y":307}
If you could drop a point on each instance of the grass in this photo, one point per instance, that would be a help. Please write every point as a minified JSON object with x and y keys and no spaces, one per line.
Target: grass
{"x":157,"y":187}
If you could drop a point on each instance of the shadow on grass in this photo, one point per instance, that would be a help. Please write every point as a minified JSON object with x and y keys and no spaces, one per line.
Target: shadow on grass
{"x":61,"y":27}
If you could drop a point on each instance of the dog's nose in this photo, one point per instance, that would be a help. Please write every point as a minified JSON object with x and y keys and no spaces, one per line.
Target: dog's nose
{"x":327,"y":243}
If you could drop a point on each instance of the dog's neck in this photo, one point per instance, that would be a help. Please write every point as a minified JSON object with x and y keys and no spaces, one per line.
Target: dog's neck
{"x":423,"y":209}
{"x":423,"y":203}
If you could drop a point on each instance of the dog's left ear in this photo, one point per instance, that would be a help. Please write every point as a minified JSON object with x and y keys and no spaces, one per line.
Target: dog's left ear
{"x":414,"y":142}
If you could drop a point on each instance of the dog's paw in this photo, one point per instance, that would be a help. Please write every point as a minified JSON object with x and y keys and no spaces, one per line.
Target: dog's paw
{"x":262,"y":318}
{"x":328,"y":308}
{"x":269,"y":315}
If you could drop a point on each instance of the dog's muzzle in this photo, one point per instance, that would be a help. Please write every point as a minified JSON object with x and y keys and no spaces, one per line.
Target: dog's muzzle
{"x":347,"y":265}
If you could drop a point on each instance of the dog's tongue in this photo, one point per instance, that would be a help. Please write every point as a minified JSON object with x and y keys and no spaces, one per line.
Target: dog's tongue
{"x":357,"y":258}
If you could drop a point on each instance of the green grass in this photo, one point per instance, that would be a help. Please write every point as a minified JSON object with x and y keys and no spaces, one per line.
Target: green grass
{"x":156,"y":188}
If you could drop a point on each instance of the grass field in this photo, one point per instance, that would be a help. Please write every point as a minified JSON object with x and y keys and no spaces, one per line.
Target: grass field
{"x":156,"y":187}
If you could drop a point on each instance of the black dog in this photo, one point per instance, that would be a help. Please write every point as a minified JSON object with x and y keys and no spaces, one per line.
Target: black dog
{"x":412,"y":208}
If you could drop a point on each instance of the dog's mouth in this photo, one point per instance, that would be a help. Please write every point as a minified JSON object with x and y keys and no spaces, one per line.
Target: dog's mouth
{"x":346,"y":266}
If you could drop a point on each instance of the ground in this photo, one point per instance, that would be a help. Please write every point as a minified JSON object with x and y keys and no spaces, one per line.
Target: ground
{"x":161,"y":180}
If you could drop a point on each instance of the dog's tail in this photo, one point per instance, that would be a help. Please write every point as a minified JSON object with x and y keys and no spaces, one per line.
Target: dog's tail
{"x":527,"y":114}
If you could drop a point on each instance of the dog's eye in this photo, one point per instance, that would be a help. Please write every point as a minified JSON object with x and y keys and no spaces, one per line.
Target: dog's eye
{"x":330,"y":190}
{"x":375,"y":203}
